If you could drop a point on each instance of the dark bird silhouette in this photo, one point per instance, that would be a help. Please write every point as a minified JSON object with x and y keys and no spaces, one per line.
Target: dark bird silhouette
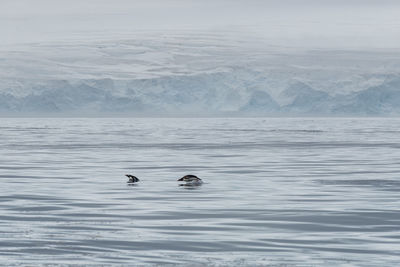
{"x":190,"y":179}
{"x":132,"y":179}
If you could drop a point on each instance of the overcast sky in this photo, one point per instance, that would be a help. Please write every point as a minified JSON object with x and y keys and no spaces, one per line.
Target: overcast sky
{"x":306,"y":23}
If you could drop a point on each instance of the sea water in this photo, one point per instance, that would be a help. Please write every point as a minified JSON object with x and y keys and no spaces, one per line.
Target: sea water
{"x":276,"y":191}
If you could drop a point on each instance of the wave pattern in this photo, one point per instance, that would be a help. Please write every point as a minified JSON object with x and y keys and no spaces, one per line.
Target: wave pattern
{"x":294,"y":192}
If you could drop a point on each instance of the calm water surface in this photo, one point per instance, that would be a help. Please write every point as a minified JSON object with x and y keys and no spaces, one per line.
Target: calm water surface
{"x":291,"y":192}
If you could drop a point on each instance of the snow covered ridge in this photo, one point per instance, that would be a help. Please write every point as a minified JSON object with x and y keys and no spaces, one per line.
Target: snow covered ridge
{"x":213,"y":94}
{"x":194,"y":75}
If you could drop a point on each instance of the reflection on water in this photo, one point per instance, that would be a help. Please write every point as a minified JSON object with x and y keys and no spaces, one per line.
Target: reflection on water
{"x":276,"y":192}
{"x":191,"y":186}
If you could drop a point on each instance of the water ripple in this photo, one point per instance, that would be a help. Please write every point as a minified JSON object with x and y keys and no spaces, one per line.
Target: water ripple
{"x":276,"y":192}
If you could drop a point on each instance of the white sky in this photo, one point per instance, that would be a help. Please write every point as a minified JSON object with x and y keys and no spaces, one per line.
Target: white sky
{"x":303,"y":23}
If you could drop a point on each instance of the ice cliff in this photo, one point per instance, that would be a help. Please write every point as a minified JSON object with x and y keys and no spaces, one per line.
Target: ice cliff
{"x":195,"y":76}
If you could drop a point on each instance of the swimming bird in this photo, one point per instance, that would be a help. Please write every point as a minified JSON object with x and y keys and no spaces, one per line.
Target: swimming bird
{"x":132,"y":179}
{"x":191,"y":180}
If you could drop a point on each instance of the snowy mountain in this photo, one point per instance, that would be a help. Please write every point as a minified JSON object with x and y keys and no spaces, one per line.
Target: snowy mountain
{"x":304,"y":99}
{"x":201,"y":95}
{"x":195,"y":75}
{"x":260,"y":102}
{"x":377,"y":100}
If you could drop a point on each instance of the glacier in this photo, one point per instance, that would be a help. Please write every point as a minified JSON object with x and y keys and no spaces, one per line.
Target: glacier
{"x":195,"y":74}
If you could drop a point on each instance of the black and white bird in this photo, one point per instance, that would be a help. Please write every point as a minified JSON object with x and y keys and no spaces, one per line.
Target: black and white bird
{"x":190,"y":180}
{"x":132,"y":179}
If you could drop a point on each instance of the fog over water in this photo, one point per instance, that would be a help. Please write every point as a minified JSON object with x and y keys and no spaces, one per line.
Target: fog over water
{"x":277,"y":191}
{"x":191,"y":58}
{"x":305,"y":24}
